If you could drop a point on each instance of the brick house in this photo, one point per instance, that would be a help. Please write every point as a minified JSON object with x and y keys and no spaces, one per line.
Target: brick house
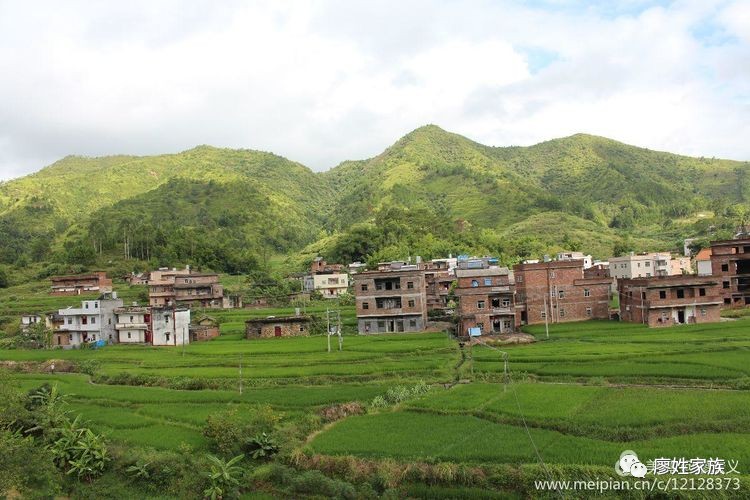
{"x":184,"y":288}
{"x":278,"y":326}
{"x":670,"y":300}
{"x":95,"y":282}
{"x":204,"y":328}
{"x":558,"y":291}
{"x":486,"y":300}
{"x":730,"y":265}
{"x":391,"y":300}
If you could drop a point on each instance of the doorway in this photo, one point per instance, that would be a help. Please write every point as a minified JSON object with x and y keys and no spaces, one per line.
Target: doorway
{"x":277,"y":331}
{"x":680,"y":316}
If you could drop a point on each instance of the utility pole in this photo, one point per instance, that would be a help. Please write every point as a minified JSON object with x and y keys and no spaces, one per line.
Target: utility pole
{"x":183,"y":341}
{"x":240,"y":373}
{"x":328,"y":328}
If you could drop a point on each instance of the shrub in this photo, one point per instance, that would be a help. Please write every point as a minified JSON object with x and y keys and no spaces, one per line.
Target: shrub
{"x":231,"y":434}
{"x":339,"y":411}
{"x":223,"y":478}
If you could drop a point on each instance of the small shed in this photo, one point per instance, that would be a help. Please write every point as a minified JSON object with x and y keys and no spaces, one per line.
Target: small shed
{"x":204,"y":328}
{"x":278,"y":326}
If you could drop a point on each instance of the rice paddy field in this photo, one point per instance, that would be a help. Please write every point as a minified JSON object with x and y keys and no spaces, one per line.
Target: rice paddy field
{"x":581,"y":397}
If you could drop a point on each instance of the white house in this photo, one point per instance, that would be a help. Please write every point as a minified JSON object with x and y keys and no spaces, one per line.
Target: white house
{"x":566,"y":256}
{"x":331,"y":285}
{"x":29,"y":319}
{"x":93,"y":321}
{"x":643,"y":265}
{"x":133,"y":325}
{"x":170,"y":326}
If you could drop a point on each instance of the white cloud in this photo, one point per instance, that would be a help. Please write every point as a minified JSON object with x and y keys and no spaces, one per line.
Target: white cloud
{"x":320,"y":82}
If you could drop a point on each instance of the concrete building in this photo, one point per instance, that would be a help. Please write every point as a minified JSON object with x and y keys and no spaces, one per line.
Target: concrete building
{"x":670,"y":300}
{"x":277,"y":326}
{"x":93,"y":321}
{"x":133,"y":324}
{"x":95,"y":282}
{"x":730,"y":265}
{"x":391,"y":300}
{"x":703,"y":262}
{"x":331,"y":285}
{"x":486,"y":300}
{"x":587,"y":259}
{"x":185,"y":288}
{"x":439,"y":275}
{"x":643,"y":265}
{"x":556,"y":291}
{"x":170,"y":326}
{"x":320,"y":266}
{"x":137,"y":279}
{"x":680,"y":264}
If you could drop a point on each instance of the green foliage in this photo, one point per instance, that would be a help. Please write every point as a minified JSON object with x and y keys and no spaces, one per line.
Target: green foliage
{"x":262,"y":446}
{"x":79,"y":451}
{"x":229,"y":432}
{"x":399,"y":394}
{"x":223,"y":477}
{"x":4,"y":277}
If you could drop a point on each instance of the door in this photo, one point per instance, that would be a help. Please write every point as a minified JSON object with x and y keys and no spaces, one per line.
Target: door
{"x":680,"y":316}
{"x":277,"y":331}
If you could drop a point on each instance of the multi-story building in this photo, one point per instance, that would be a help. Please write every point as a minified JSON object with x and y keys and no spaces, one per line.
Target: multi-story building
{"x":391,"y":300}
{"x":133,"y":324}
{"x":328,"y":279}
{"x":170,"y":326}
{"x":95,"y":282}
{"x":643,"y":265}
{"x":486,"y":300}
{"x":730,"y":265}
{"x":556,"y":291}
{"x":703,"y":262}
{"x":184,"y":288}
{"x":93,"y":321}
{"x":670,"y":300}
{"x":439,"y":276}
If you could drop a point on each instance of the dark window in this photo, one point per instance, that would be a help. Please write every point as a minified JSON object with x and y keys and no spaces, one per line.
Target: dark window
{"x":562,"y":312}
{"x":412,"y":323}
{"x":725,"y":267}
{"x":365,"y":305}
{"x":662,"y":294}
{"x":725,"y":284}
{"x":702,"y":292}
{"x":586,"y":292}
{"x":680,"y":293}
{"x":561,"y":294}
{"x":364,"y":288}
{"x":411,"y":303}
{"x":474,"y":283}
{"x":728,"y":301}
{"x":480,"y":304}
{"x":495,"y":302}
{"x":409,"y":285}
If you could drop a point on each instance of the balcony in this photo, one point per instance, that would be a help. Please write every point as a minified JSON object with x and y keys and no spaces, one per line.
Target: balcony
{"x":502,"y":310}
{"x":131,"y":326}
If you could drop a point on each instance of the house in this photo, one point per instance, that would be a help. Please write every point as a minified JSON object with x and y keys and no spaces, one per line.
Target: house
{"x":278,"y":326}
{"x":557,"y":291}
{"x":587,"y":260}
{"x":680,"y":264}
{"x":486,"y":300}
{"x":133,"y":324}
{"x":392,"y":300}
{"x":703,"y":262}
{"x":184,"y":288}
{"x":644,"y":265}
{"x":327,"y":279}
{"x":29,"y":319}
{"x":170,"y":326}
{"x":670,"y":300}
{"x":95,"y":320}
{"x":96,"y":282}
{"x":233,"y":301}
{"x":597,"y":270}
{"x":320,"y":266}
{"x":204,"y":328}
{"x":730,"y":265}
{"x":137,"y":279}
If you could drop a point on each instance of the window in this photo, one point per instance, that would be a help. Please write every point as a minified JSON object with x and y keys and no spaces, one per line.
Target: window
{"x":725,"y":284}
{"x":381,"y":324}
{"x":562,"y":312}
{"x":109,"y":321}
{"x":167,"y":335}
{"x":364,"y":287}
{"x":662,"y":294}
{"x":648,"y":275}
{"x":703,"y":311}
{"x":474,"y":283}
{"x":586,"y":292}
{"x":506,"y":302}
{"x":166,"y":318}
{"x":561,"y":294}
{"x":648,"y":264}
{"x":588,"y":312}
{"x":85,"y":305}
{"x":702,"y":292}
{"x":411,"y":303}
{"x":487,"y":281}
{"x":480,"y":326}
{"x":727,"y":301}
{"x":680,"y":293}
{"x":480,"y":304}
{"x":553,"y":293}
{"x":128,"y":334}
{"x":519,"y":278}
{"x":725,"y":267}
{"x":96,"y":305}
{"x":543,"y":315}
{"x":70,"y":337}
{"x":365,"y":305}
{"x":131,"y":319}
{"x":70,"y":321}
{"x":506,"y":324}
{"x":409,"y":285}
{"x":643,"y":295}
{"x":93,"y":320}
{"x":552,"y":274}
{"x":301,"y":328}
{"x":412,"y":323}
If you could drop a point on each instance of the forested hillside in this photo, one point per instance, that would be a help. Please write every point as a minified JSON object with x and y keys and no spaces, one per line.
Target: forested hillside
{"x":430,"y":194}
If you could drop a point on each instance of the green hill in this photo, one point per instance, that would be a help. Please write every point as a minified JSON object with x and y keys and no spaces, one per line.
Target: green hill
{"x":431,"y":193}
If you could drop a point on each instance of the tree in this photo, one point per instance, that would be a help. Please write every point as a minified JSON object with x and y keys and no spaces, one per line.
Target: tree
{"x":4,"y":278}
{"x":224,"y":477}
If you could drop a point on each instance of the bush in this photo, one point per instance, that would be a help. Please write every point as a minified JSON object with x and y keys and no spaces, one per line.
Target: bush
{"x":343,"y":410}
{"x":232,"y":434}
{"x":399,"y":394}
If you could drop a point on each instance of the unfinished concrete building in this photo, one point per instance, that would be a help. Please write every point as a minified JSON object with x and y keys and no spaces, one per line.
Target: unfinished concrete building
{"x":730,"y":265}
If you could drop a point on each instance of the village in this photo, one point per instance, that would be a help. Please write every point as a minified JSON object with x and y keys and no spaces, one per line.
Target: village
{"x":468,"y":296}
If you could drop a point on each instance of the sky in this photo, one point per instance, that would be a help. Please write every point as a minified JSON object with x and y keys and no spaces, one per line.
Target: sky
{"x":321,"y":82}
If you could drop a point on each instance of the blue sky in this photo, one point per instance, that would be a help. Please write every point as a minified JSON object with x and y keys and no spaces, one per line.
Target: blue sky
{"x":325,"y":81}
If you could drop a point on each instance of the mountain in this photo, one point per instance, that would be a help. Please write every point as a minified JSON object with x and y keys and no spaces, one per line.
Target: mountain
{"x":429,"y":194}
